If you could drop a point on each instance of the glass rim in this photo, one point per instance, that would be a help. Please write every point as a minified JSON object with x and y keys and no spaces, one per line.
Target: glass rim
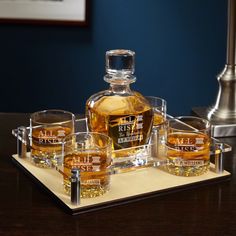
{"x":60,"y":111}
{"x":109,"y":143}
{"x":178,"y":119}
{"x":158,"y":98}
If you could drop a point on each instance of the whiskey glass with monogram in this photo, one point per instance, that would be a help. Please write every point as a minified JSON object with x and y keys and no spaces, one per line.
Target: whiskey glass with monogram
{"x":188,"y":146}
{"x":90,"y":152}
{"x":47,"y":130}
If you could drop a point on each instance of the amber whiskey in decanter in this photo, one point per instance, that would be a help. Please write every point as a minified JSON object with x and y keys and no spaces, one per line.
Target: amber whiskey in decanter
{"x":124,"y":115}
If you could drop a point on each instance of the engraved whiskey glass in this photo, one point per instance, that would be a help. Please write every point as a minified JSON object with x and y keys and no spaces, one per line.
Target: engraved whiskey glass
{"x":47,"y":130}
{"x":188,"y":146}
{"x":90,"y":152}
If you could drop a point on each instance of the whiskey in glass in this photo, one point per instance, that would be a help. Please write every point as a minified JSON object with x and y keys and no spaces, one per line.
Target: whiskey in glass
{"x":91,"y":154}
{"x":47,"y":130}
{"x":188,"y":146}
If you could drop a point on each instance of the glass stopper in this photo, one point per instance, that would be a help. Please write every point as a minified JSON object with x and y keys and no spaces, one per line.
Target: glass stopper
{"x":120,"y":61}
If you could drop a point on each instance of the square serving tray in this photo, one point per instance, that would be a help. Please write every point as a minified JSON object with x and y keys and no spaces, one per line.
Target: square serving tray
{"x":125,"y":187}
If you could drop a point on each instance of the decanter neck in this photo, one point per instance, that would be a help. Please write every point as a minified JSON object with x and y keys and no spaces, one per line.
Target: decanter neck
{"x":120,"y":88}
{"x":119,"y":78}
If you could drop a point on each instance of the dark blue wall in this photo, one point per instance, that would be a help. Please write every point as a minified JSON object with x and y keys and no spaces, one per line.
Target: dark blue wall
{"x":180,"y":48}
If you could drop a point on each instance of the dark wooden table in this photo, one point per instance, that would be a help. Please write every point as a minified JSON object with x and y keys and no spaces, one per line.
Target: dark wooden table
{"x":26,"y":208}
